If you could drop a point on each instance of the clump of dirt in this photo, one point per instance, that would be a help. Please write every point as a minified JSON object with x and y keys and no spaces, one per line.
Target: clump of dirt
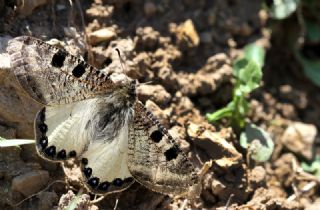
{"x":181,"y":53}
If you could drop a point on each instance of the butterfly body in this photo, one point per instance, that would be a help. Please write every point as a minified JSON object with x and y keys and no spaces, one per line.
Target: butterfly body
{"x":97,"y":119}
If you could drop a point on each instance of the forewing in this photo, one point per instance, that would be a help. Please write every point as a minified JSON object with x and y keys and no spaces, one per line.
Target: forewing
{"x":52,"y":76}
{"x":154,"y":159}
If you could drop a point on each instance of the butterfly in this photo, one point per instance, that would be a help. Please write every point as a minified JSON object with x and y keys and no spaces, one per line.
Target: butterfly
{"x":96,"y":118}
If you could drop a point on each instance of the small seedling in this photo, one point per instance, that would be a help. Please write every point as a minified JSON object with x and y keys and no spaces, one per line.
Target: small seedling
{"x":247,"y":72}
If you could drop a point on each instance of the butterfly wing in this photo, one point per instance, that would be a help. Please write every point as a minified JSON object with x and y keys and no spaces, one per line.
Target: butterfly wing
{"x":105,"y":162}
{"x":95,"y":131}
{"x":62,"y":131}
{"x":52,"y":76}
{"x":154,"y":158}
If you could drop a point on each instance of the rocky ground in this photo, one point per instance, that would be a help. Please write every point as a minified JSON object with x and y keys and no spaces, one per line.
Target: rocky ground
{"x":182,"y":51}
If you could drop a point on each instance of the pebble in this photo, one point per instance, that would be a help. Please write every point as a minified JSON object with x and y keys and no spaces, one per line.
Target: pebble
{"x":102,"y":35}
{"x":30,"y":182}
{"x":299,"y":138}
{"x":212,"y":143}
{"x":156,"y":93}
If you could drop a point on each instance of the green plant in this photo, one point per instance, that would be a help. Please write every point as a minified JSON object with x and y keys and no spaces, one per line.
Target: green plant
{"x":247,"y":72}
{"x":313,"y":167}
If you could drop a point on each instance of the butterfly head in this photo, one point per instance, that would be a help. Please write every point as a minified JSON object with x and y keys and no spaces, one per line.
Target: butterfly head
{"x":125,"y":85}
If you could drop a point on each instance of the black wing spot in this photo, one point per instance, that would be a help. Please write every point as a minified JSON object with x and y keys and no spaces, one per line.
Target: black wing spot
{"x":79,"y":70}
{"x":72,"y":153}
{"x":171,"y":153}
{"x":117,"y":182}
{"x":104,"y":186}
{"x":58,"y":59}
{"x":87,"y":172}
{"x":94,"y":182}
{"x":62,"y":154}
{"x":42,"y":115}
{"x":43,"y":142}
{"x":43,"y":127}
{"x":156,"y":136}
{"x":84,"y":161}
{"x":50,"y":151}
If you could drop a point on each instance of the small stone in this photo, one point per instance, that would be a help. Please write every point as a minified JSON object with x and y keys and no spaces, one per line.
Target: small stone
{"x":102,"y":35}
{"x":213,"y":144}
{"x":149,"y":8}
{"x":155,"y":93}
{"x":299,"y":138}
{"x":217,"y":187}
{"x":186,"y":34}
{"x":31,"y":182}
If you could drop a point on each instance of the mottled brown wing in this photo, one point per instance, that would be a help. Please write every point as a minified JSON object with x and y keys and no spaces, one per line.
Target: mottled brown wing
{"x":52,"y":76}
{"x":154,"y":159}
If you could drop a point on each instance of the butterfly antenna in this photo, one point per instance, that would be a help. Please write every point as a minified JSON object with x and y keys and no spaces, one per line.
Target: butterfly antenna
{"x":121,"y":61}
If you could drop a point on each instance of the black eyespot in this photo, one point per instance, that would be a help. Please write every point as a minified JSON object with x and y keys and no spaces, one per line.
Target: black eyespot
{"x":117,"y":182}
{"x":50,"y":151}
{"x":156,"y":136}
{"x":43,"y":142}
{"x":87,"y":172}
{"x":42,"y":115}
{"x":104,"y":186}
{"x":62,"y":154}
{"x":128,"y":180}
{"x":171,"y":153}
{"x":43,"y":128}
{"x":84,"y":161}
{"x":79,"y":70}
{"x":93,"y":182}
{"x":72,"y":153}
{"x":58,"y":59}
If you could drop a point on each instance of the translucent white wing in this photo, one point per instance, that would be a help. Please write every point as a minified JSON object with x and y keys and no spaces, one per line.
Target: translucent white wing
{"x":52,"y":76}
{"x":105,"y":162}
{"x":95,"y":131}
{"x":155,"y":160}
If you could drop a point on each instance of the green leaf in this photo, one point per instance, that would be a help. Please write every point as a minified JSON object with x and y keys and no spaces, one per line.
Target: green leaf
{"x":282,"y":9}
{"x":258,"y":142}
{"x":313,"y":31}
{"x":238,"y":65}
{"x":255,"y":53}
{"x":221,"y":113}
{"x":310,"y":67}
{"x":313,"y":168}
{"x":15,"y":142}
{"x":250,"y":76}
